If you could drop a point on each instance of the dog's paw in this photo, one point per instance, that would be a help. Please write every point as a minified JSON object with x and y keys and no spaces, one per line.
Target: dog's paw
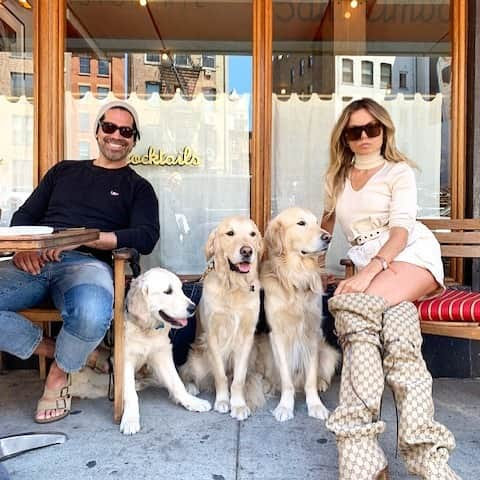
{"x":241,"y":412}
{"x":318,"y":411}
{"x":192,"y":389}
{"x":195,"y":404}
{"x":322,"y":385}
{"x":222,"y":406}
{"x":282,"y":414}
{"x":130,"y":425}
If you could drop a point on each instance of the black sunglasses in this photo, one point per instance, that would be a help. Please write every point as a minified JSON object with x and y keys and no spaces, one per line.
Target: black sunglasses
{"x":354,"y":133}
{"x":109,"y":128}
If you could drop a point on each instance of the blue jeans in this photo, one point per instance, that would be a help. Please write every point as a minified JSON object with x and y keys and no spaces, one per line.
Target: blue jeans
{"x":182,"y":338}
{"x":80,"y":286}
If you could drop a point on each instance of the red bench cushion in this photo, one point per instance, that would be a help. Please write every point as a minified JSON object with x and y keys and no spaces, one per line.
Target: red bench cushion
{"x":451,"y":306}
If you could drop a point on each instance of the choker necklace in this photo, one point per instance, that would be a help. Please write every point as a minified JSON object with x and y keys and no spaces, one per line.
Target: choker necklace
{"x":366,"y":162}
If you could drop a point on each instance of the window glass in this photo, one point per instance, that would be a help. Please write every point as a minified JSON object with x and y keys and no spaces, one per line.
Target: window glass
{"x":347,"y":70}
{"x":152,"y":58}
{"x":103,"y":67}
{"x":367,"y":72}
{"x":182,"y":59}
{"x":102,"y":92}
{"x":85,"y":65}
{"x":385,"y":76}
{"x":16,"y":100}
{"x":208,"y":61}
{"x":152,"y":87}
{"x":83,"y":90}
{"x":190,"y":81}
{"x":21,"y":84}
{"x":396,"y":52}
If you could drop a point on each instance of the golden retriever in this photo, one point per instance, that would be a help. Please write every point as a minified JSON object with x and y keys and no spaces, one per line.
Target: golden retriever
{"x":155,"y":303}
{"x":291,"y":279}
{"x":228,"y":313}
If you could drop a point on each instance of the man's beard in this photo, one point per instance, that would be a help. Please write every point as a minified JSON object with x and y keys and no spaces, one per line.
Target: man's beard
{"x":114,"y":155}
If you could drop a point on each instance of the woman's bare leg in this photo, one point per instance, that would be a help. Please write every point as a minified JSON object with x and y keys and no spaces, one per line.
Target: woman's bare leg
{"x":402,"y":281}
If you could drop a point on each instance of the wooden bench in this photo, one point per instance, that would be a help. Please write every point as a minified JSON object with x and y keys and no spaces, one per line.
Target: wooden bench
{"x":459,"y":239}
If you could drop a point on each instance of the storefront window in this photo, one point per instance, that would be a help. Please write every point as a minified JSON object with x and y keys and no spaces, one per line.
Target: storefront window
{"x":16,"y":105}
{"x":190,"y":81}
{"x":397,"y":53}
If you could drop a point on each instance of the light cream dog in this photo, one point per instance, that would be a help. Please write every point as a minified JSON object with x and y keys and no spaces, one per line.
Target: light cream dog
{"x":291,"y":278}
{"x":155,"y":303}
{"x":228,"y":313}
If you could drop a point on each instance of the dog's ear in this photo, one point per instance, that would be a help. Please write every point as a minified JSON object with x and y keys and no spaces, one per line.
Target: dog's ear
{"x":210,"y":245}
{"x":274,"y":238}
{"x":260,"y":246}
{"x":137,"y":298}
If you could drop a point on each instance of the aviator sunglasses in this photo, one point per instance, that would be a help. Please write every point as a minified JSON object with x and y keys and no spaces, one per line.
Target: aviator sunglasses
{"x":354,"y":133}
{"x":109,"y":128}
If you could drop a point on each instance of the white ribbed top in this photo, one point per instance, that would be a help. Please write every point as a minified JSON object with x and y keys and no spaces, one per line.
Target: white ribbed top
{"x":389,"y":198}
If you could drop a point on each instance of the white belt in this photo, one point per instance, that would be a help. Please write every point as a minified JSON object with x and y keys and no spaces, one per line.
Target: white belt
{"x":365,"y":237}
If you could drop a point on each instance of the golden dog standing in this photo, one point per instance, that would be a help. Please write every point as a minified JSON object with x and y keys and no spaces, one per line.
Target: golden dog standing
{"x":371,"y":190}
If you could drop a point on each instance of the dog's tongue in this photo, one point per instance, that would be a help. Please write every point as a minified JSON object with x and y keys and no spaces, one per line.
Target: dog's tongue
{"x":244,"y":267}
{"x":181,"y":321}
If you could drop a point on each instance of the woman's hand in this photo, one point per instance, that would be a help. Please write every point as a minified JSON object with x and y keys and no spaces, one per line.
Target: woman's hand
{"x":358,"y":283}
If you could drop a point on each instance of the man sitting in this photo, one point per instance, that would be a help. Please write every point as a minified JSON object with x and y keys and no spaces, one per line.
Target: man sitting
{"x":104,"y":193}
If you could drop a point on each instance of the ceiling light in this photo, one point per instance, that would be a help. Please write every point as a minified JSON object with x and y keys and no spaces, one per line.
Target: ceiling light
{"x":354,"y":3}
{"x":347,"y":15}
{"x":143,"y":2}
{"x":25,"y":4}
{"x":165,"y":56}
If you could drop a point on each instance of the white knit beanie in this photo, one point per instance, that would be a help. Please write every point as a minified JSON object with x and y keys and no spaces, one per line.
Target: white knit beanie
{"x":118,"y":104}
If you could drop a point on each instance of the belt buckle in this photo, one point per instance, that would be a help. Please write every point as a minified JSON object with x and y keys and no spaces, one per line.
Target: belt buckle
{"x":361,"y":239}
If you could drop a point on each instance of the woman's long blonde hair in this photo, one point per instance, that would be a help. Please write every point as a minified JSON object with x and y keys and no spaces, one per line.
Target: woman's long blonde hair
{"x":341,"y":156}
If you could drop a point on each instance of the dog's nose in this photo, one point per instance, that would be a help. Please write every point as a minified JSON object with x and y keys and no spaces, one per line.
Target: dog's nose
{"x":326,"y":237}
{"x":191,"y":308}
{"x":246,"y":251}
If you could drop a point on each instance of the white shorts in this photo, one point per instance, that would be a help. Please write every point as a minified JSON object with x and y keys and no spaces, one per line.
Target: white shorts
{"x":422,"y":249}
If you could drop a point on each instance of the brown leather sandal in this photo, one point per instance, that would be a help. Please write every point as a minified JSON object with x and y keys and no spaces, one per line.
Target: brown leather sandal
{"x":55,"y":399}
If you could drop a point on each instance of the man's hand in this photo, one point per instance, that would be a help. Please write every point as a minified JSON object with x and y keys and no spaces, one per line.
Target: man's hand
{"x":54,"y":254}
{"x":30,"y":262}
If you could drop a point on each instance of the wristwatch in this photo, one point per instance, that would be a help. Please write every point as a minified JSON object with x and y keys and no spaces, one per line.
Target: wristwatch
{"x":382,"y":261}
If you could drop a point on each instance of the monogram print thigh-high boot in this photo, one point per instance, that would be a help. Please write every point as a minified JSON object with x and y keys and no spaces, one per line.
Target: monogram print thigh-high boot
{"x":355,"y":422}
{"x":424,"y":443}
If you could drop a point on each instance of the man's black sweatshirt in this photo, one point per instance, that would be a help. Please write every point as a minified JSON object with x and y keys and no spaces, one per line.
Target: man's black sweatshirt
{"x":80,"y":194}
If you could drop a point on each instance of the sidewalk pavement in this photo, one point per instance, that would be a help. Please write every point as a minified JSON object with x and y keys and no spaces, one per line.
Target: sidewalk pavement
{"x":177,"y":444}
